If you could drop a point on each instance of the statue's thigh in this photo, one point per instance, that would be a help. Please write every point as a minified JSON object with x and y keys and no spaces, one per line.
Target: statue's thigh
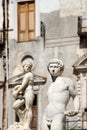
{"x":44,"y":123}
{"x":58,"y":123}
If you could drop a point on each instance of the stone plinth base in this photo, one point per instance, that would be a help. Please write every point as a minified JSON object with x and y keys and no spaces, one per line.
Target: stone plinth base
{"x":17,"y":126}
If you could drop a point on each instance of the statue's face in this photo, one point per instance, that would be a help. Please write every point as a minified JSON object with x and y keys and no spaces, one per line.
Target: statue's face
{"x":27,"y":67}
{"x":54,"y":69}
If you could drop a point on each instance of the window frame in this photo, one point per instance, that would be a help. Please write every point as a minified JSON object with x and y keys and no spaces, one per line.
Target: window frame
{"x":18,"y":27}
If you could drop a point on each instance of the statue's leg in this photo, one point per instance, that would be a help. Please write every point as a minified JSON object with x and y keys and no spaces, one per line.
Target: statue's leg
{"x":28,"y":119}
{"x":29,"y":97}
{"x":45,"y":123}
{"x":58,"y":122}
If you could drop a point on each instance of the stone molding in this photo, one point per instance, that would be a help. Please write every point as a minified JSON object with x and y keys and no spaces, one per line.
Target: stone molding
{"x":80,"y":65}
{"x":63,"y":41}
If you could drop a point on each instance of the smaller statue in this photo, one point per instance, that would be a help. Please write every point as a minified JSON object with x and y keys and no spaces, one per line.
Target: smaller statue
{"x":24,"y":96}
{"x":59,"y":93}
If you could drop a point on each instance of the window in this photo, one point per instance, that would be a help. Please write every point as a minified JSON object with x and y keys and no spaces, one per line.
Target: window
{"x":83,"y":41}
{"x":26,"y":21}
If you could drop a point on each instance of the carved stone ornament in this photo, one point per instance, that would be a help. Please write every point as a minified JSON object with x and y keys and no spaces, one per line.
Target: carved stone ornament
{"x":25,"y":56}
{"x":80,"y":65}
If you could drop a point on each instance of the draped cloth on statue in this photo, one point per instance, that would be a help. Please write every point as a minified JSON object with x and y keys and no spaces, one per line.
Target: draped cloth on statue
{"x":72,"y":7}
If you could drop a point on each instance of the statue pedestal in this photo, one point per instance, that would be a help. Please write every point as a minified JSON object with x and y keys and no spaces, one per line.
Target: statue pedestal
{"x":17,"y":126}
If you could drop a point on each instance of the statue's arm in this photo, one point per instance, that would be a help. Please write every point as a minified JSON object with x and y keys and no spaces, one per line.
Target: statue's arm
{"x":76,"y":102}
{"x":24,"y":84}
{"x":76,"y":108}
{"x":28,"y":78}
{"x":73,"y":94}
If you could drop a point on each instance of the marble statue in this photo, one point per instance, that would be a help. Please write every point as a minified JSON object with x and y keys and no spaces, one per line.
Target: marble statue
{"x":25,"y":85}
{"x":59,"y":93}
{"x":24,"y":96}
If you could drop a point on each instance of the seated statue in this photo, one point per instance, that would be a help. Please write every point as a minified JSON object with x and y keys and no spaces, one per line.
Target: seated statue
{"x":59,"y":93}
{"x":24,"y":96}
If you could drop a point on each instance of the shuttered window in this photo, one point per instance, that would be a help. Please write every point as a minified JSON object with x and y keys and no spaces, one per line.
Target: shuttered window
{"x":26,"y":21}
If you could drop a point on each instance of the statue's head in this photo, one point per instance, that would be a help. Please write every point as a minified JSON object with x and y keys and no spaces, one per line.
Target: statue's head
{"x":27,"y":66}
{"x":55,"y":67}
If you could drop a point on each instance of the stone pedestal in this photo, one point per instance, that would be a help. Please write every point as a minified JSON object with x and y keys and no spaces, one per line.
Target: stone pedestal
{"x":17,"y":126}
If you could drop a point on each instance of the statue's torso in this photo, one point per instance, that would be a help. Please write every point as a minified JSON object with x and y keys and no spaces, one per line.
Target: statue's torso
{"x":58,"y":97}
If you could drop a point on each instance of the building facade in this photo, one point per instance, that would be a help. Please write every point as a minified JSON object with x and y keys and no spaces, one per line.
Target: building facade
{"x":41,"y":32}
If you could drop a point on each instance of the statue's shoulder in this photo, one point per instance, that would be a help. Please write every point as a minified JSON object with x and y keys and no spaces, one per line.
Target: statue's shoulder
{"x":59,"y":78}
{"x":63,"y":78}
{"x":29,"y":74}
{"x":68,"y":80}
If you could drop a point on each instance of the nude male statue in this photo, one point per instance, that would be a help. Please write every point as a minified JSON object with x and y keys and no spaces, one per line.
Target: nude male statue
{"x":59,"y":93}
{"x":24,"y":96}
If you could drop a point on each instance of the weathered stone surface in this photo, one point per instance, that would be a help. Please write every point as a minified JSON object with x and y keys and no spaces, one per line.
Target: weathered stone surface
{"x":16,"y":126}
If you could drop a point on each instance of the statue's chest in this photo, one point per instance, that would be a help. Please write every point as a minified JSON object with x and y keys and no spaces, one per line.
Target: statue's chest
{"x":59,"y":86}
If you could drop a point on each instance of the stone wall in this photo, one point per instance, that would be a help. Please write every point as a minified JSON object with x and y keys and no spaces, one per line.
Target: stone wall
{"x":61,"y":42}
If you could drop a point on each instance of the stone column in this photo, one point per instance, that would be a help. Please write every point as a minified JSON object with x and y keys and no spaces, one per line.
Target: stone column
{"x":39,"y":110}
{"x":79,"y":125}
{"x":82,"y":93}
{"x":84,"y":102}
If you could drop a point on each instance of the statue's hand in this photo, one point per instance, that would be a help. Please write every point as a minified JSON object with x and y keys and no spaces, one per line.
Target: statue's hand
{"x":71,"y":113}
{"x":15,"y":94}
{"x":15,"y":91}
